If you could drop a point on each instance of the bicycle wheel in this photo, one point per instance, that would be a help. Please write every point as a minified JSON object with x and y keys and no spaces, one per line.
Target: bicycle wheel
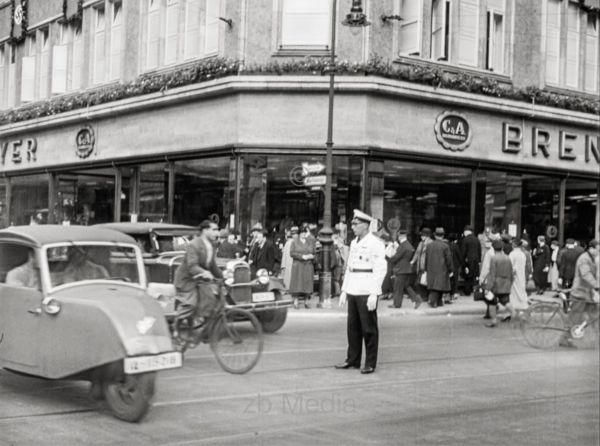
{"x":237,"y":340}
{"x":543,"y":325}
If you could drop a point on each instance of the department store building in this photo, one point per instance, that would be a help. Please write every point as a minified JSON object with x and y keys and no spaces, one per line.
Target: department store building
{"x":250,"y":146}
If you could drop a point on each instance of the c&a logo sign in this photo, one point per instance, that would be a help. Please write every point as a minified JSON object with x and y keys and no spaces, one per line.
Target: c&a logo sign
{"x":452,"y":131}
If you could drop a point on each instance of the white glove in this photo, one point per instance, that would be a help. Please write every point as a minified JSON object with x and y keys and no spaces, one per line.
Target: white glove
{"x":489,"y":295}
{"x":559,"y":281}
{"x":372,"y":302}
{"x":546,"y":269}
{"x":342,"y":299}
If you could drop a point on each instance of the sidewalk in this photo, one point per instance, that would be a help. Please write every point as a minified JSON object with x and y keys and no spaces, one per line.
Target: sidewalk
{"x":462,"y":306}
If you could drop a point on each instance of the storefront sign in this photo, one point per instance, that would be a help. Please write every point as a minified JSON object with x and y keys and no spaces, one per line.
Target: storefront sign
{"x":313,"y":168}
{"x":18,"y":150}
{"x":85,"y":142}
{"x":316,"y":180}
{"x":452,"y":131}
{"x":569,"y":145}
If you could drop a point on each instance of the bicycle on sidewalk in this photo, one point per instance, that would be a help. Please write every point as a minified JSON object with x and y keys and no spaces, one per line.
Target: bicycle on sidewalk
{"x":545,"y":324}
{"x":234,"y":334}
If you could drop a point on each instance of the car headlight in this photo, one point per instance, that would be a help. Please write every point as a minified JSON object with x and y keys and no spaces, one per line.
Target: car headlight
{"x":262,"y":275}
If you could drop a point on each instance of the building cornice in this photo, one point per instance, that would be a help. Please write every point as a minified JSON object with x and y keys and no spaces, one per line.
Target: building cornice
{"x":256,"y":84}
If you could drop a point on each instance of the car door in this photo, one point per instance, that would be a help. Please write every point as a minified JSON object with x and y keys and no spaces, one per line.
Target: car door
{"x":19,"y":328}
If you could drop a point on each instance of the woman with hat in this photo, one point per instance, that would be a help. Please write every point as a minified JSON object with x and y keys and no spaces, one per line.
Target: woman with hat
{"x":286,"y":258}
{"x":418,"y":262}
{"x":302,"y":251}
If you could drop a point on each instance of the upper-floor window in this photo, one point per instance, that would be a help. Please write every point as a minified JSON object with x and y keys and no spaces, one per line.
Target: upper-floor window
{"x":571,"y":45}
{"x":468,"y":32}
{"x":411,"y":12}
{"x":99,"y":43}
{"x":28,"y":68}
{"x":591,"y":78}
{"x":305,"y":24}
{"x":2,"y":77}
{"x":495,"y":53}
{"x":440,"y":29}
{"x":177,"y":30}
{"x":67,"y":59}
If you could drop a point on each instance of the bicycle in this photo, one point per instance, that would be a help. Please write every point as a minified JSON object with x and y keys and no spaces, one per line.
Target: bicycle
{"x":234,"y":334}
{"x":546,"y":323}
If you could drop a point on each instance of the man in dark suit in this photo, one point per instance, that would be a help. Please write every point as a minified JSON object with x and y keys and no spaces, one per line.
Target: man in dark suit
{"x":198,"y":267}
{"x":470,"y":249}
{"x":263,"y":253}
{"x":438,"y":261}
{"x":402,"y":271}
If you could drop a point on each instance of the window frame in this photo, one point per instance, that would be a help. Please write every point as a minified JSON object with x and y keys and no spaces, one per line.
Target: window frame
{"x":280,"y":47}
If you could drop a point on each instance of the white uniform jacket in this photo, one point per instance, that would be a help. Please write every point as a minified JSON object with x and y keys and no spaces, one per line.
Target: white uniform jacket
{"x":366,"y":266}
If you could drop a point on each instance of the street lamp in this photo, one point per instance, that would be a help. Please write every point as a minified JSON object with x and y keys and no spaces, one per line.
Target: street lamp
{"x":355,"y":18}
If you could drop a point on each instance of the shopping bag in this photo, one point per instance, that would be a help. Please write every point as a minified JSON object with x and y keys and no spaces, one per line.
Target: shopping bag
{"x":478,"y":293}
{"x":423,"y":278}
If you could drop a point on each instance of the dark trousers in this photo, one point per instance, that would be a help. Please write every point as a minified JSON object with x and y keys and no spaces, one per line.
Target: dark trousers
{"x":362,"y":325}
{"x":435,"y":298}
{"x":402,"y":283}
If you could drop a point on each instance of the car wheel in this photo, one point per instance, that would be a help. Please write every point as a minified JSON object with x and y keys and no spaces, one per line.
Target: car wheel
{"x":272,"y":320}
{"x":129,"y":399}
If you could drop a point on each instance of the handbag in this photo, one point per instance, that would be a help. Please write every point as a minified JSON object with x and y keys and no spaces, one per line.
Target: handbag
{"x":423,"y":279}
{"x":530,"y":286}
{"x":478,"y":293}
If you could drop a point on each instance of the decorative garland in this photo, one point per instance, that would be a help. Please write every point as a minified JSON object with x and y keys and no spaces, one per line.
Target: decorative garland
{"x":219,"y":67}
{"x":76,"y":18}
{"x":15,"y":40}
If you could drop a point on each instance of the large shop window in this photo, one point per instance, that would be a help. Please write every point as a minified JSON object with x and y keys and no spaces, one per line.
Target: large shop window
{"x":3,"y":206}
{"x":498,"y":202}
{"x":282,"y":191}
{"x":202,"y":191}
{"x":153,"y":192}
{"x":29,"y":200}
{"x":418,"y":195}
{"x":86,"y":197}
{"x":581,"y":199}
{"x":540,"y":206}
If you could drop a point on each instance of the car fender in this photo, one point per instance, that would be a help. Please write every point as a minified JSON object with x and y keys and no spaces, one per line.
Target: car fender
{"x":99,"y":324}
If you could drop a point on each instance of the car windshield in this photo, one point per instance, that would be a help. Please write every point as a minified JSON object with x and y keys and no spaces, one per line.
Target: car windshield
{"x":168,"y":242}
{"x":78,"y":262}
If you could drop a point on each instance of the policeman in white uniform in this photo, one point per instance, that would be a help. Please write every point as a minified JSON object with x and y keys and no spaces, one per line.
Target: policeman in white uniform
{"x":365,"y":271}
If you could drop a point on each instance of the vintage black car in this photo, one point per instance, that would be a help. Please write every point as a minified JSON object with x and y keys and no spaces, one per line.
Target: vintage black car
{"x":163,"y":246}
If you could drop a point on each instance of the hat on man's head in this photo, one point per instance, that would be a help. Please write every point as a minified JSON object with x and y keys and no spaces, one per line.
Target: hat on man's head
{"x":541,"y":238}
{"x":224,"y":233}
{"x":425,"y":231}
{"x":468,"y":228}
{"x":257,"y":227}
{"x":505,"y":238}
{"x":361,"y":217}
{"x":570,"y":241}
{"x":439,"y":231}
{"x":402,"y":231}
{"x":497,"y":245}
{"x":494,"y":236}
{"x":593,"y":244}
{"x":516,"y":242}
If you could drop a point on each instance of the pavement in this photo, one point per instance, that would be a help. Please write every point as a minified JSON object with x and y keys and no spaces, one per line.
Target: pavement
{"x":463,"y":305}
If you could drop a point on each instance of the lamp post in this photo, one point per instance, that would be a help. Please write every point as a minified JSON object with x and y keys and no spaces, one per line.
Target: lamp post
{"x":355,"y":18}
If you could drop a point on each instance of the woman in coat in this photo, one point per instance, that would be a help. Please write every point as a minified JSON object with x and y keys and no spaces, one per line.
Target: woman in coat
{"x":499,"y":282}
{"x":438,"y":266}
{"x":518,"y":292}
{"x":302,"y":251}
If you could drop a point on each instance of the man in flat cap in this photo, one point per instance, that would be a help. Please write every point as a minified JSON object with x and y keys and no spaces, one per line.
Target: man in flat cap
{"x":365,"y":272}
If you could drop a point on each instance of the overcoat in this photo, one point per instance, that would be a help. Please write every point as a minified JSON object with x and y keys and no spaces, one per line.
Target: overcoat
{"x":438,"y":262}
{"x":500,"y":278}
{"x":400,"y":261}
{"x":303,"y":271}
{"x":542,"y":258}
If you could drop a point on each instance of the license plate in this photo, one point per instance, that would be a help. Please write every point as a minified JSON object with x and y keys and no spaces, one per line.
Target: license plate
{"x":141,"y":364}
{"x":267,"y":296}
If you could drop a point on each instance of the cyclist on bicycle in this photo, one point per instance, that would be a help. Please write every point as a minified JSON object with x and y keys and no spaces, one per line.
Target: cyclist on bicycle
{"x":584,"y":293}
{"x":199,"y":267}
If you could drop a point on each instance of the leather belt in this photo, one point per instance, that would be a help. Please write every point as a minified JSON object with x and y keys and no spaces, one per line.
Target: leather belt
{"x":361,"y":270}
